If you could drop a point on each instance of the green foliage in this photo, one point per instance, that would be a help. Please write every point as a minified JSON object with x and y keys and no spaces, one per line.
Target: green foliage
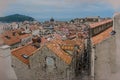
{"x":16,"y":18}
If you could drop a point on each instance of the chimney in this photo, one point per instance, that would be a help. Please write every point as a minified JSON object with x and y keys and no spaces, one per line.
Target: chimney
{"x":37,"y":45}
{"x":36,"y":41}
{"x":13,"y":33}
{"x":5,"y":51}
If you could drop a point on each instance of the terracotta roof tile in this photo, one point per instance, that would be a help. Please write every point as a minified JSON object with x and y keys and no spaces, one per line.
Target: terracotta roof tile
{"x":58,"y":46}
{"x":13,"y":39}
{"x":24,"y":50}
{"x":43,"y":40}
{"x":34,"y":27}
{"x":57,"y":36}
{"x":67,"y":47}
{"x":102,"y":36}
{"x":59,"y":52}
{"x":58,"y":41}
{"x":73,"y":42}
{"x":100,"y":23}
{"x":25,"y":36}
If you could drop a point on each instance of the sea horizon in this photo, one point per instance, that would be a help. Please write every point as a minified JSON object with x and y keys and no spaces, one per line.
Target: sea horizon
{"x":56,"y":19}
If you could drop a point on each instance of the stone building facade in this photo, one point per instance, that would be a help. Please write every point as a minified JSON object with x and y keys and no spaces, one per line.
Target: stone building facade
{"x":105,"y":57}
{"x":49,"y":66}
{"x":49,"y":62}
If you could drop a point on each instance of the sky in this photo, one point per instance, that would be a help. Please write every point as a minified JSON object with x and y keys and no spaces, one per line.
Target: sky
{"x":59,"y":9}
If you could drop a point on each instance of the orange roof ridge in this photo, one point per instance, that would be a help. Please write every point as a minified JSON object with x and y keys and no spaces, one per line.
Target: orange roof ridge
{"x":99,"y":23}
{"x":27,"y":50}
{"x":24,"y":36}
{"x":102,"y":36}
{"x":20,"y":47}
{"x":60,"y":53}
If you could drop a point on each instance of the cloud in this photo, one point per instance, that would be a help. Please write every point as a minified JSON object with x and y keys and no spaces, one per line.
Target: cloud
{"x":59,"y":4}
{"x":115,"y":4}
{"x":4,"y":4}
{"x":43,"y":8}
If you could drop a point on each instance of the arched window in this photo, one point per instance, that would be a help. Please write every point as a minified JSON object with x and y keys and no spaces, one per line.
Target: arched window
{"x":50,"y":63}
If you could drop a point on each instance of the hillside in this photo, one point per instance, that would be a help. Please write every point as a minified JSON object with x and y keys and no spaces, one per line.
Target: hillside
{"x":16,"y":18}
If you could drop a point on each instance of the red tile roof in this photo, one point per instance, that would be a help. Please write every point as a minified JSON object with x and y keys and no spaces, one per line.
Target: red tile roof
{"x":67,"y":47}
{"x":34,"y":27}
{"x":59,"y":52}
{"x":58,"y":47}
{"x":57,"y":36}
{"x":73,"y":42}
{"x":102,"y":36}
{"x":25,"y":36}
{"x":100,"y":23}
{"x":53,"y":45}
{"x":13,"y":39}
{"x":27,"y":50}
{"x":58,"y":41}
{"x":43,"y":40}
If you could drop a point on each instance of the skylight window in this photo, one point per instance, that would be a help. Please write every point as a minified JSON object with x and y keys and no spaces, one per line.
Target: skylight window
{"x":7,"y":37}
{"x":25,"y":56}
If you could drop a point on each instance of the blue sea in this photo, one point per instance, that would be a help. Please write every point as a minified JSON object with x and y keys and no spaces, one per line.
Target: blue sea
{"x":47,"y":19}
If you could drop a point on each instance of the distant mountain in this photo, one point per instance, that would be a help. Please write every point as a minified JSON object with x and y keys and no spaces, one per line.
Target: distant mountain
{"x":16,"y":18}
